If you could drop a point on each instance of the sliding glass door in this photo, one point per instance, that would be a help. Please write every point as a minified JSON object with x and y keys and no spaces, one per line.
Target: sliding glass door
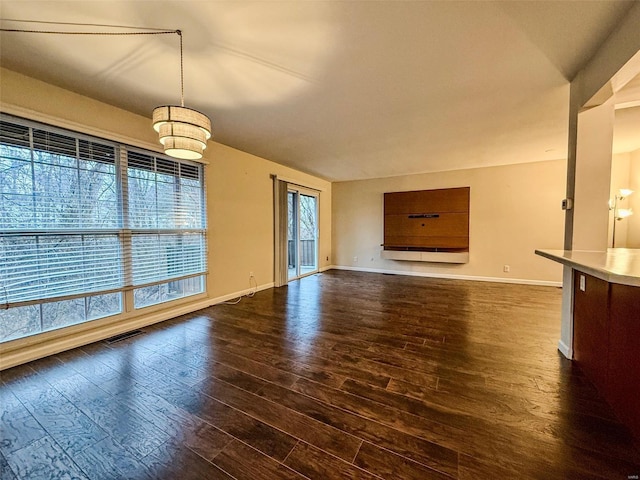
{"x":302,"y":241}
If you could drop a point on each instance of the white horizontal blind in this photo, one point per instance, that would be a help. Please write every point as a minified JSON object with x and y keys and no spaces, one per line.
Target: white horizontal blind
{"x":59,"y":215}
{"x":166,"y":218}
{"x":63,"y":233}
{"x":37,"y":267}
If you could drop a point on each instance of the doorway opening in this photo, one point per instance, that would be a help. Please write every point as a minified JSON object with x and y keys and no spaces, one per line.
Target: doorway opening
{"x":302,"y":232}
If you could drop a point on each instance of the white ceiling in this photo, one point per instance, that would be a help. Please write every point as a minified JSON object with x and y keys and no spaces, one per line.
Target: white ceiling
{"x":344,"y":90}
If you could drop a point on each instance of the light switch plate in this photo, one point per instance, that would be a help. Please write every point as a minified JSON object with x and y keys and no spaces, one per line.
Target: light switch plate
{"x":583,"y":283}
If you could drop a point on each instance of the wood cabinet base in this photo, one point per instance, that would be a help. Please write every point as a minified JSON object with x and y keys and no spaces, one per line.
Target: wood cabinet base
{"x":606,"y":343}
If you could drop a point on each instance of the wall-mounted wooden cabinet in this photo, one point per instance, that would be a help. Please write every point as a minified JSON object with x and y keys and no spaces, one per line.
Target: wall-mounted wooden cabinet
{"x":429,"y":221}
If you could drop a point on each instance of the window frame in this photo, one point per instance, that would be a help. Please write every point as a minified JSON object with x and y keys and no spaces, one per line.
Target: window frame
{"x":123,"y":233}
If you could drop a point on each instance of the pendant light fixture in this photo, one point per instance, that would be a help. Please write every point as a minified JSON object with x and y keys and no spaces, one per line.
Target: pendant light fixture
{"x":183,"y":132}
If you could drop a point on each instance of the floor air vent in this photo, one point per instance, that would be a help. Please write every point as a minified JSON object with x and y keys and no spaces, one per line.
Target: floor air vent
{"x":123,"y":336}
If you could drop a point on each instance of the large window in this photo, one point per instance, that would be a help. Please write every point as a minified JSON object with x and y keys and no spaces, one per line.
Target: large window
{"x":166,"y":220}
{"x":88,"y":226}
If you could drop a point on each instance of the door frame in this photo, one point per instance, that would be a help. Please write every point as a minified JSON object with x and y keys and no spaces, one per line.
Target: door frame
{"x":298,"y":191}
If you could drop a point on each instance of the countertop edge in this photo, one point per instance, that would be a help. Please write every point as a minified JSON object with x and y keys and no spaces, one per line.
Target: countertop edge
{"x":598,"y":271}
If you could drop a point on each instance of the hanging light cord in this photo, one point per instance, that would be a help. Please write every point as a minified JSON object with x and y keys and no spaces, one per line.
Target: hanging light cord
{"x":187,"y":130}
{"x":151,"y":31}
{"x":146,"y":31}
{"x":179,"y":32}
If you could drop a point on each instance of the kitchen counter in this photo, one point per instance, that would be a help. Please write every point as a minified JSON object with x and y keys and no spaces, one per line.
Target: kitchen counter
{"x":602,"y":298}
{"x":616,"y":265}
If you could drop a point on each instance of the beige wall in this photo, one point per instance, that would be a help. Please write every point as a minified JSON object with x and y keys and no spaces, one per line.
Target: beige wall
{"x":515,"y":209}
{"x":593,"y":175}
{"x":633,"y":227}
{"x":625,"y":173}
{"x":620,"y":170}
{"x":239,"y":208}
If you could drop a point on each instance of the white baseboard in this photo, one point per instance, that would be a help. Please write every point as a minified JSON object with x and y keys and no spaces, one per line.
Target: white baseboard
{"x":565,"y":350}
{"x":49,"y":343}
{"x":521,"y":281}
{"x":242,"y":293}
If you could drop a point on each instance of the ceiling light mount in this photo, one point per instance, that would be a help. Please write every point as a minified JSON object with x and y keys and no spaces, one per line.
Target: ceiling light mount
{"x":183,"y":132}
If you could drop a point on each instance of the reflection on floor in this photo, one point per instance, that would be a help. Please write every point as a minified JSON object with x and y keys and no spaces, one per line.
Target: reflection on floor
{"x":339,"y":375}
{"x":304,"y":270}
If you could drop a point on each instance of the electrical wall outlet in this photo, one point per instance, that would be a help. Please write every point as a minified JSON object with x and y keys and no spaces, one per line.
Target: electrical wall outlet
{"x":506,"y":269}
{"x":250,"y":274}
{"x":355,"y":259}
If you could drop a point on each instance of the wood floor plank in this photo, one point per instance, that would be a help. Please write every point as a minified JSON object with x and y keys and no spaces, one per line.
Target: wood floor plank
{"x":435,"y":434}
{"x":295,"y":424}
{"x":472,"y":468}
{"x":286,"y":363}
{"x":483,"y":435}
{"x":185,"y":373}
{"x":332,"y":331}
{"x":422,"y":451}
{"x":5,"y":470}
{"x":44,"y":459}
{"x":82,"y":363}
{"x":204,"y":439}
{"x":269,"y":440}
{"x":180,"y":426}
{"x":500,"y":445}
{"x":391,"y":465}
{"x":23,"y":381}
{"x":65,"y":422}
{"x":316,"y":464}
{"x":314,"y":366}
{"x":506,"y":410}
{"x":396,"y":366}
{"x":208,"y":363}
{"x":245,"y":463}
{"x":107,"y":459}
{"x":173,"y":461}
{"x":223,"y":371}
{"x":338,"y":375}
{"x":138,"y":375}
{"x":176,"y":424}
{"x":257,"y":368}
{"x":135,"y":433}
{"x":18,"y":426}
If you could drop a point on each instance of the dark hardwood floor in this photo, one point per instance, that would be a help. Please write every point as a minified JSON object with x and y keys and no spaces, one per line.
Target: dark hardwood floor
{"x":339,"y":375}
